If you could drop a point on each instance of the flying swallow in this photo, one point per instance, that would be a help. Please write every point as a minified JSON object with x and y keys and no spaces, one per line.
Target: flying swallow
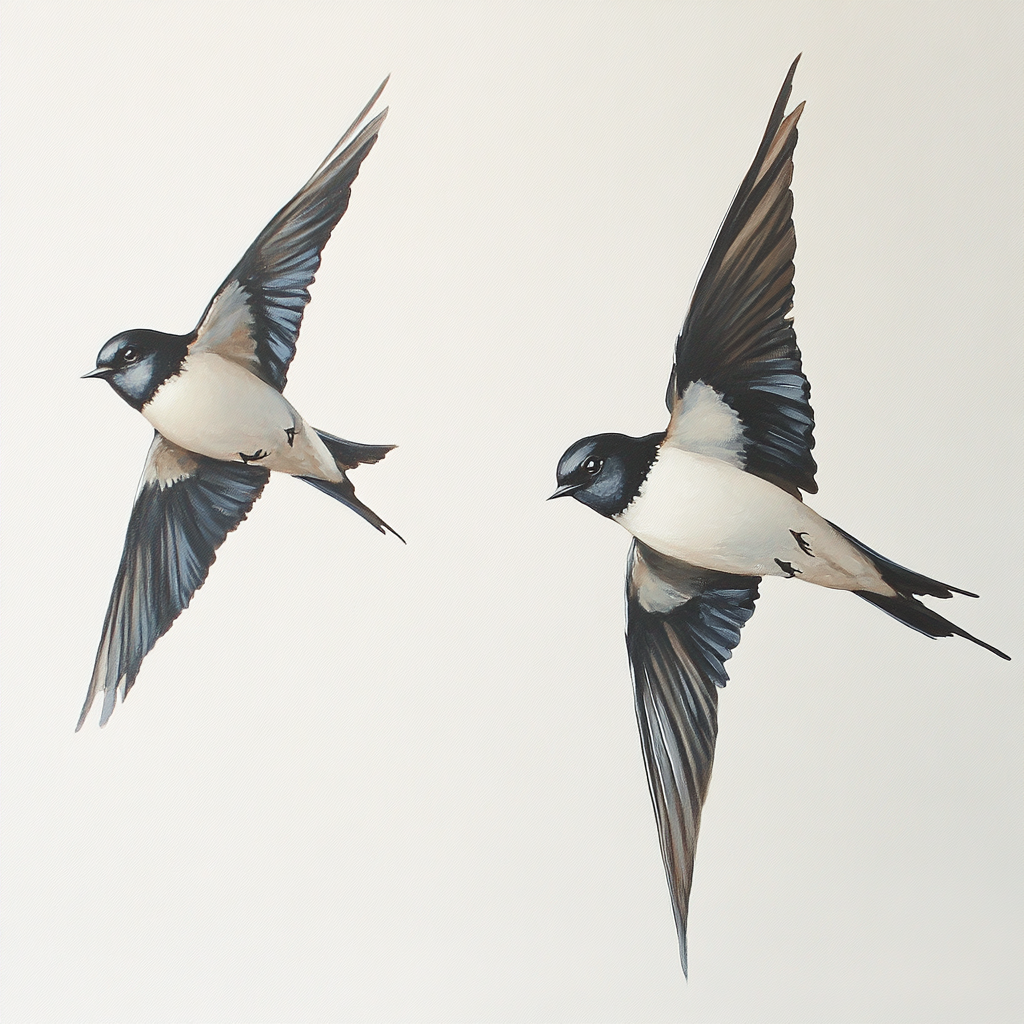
{"x":714,"y":503}
{"x":222,"y":425}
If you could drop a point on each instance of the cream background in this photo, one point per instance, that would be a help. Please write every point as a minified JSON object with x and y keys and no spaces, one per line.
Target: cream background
{"x":365,"y":782}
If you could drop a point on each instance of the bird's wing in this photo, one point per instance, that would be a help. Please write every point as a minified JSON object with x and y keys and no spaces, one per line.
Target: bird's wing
{"x":255,"y":316}
{"x":187,"y":504}
{"x":737,"y":389}
{"x":682,"y":624}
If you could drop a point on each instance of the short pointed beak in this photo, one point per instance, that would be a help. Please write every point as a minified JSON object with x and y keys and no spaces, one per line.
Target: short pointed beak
{"x":564,"y":490}
{"x":100,"y":371}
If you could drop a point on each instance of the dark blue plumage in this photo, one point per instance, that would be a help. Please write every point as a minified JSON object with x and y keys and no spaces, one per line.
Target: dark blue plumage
{"x":186,"y":506}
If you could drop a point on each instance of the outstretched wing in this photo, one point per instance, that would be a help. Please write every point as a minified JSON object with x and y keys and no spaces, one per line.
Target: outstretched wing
{"x":255,"y":316}
{"x":682,"y":624}
{"x":737,"y":339}
{"x":187,"y":504}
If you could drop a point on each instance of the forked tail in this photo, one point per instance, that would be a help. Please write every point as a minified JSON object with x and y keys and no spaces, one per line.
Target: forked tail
{"x":348,"y":455}
{"x":916,"y":615}
{"x":904,"y":606}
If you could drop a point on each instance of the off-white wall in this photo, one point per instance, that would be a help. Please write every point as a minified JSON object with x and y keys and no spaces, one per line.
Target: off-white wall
{"x":365,"y":782}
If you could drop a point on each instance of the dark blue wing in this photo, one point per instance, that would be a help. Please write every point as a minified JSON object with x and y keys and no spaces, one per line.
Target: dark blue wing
{"x":682,"y":625}
{"x":737,"y":337}
{"x":187,"y":504}
{"x":255,"y":316}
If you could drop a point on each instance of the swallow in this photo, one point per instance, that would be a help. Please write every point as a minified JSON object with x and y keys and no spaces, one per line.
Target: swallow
{"x":221,"y":422}
{"x":713,"y":503}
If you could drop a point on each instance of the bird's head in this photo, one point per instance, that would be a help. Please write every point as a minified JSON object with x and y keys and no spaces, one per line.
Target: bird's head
{"x":606,"y":471}
{"x":136,"y":363}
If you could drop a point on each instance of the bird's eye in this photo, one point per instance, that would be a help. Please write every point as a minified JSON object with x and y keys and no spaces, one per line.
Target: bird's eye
{"x":593,"y":465}
{"x":129,"y":355}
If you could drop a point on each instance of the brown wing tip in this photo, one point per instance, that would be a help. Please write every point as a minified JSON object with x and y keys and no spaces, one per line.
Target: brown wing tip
{"x":363,"y":135}
{"x":783,"y":133}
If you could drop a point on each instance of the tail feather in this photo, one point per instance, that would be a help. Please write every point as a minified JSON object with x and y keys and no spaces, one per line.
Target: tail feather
{"x":901,"y":579}
{"x":344,"y":492}
{"x":904,"y":606}
{"x":349,"y":454}
{"x":916,"y":615}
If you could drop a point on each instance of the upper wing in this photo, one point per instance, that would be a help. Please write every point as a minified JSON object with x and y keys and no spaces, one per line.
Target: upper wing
{"x":255,"y":316}
{"x":737,"y":339}
{"x":682,"y":624}
{"x":187,"y":504}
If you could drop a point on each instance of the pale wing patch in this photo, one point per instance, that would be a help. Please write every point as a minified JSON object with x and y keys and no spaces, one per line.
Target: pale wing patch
{"x":167,"y":463}
{"x":654,"y":592}
{"x":227,"y":328}
{"x":705,"y":424}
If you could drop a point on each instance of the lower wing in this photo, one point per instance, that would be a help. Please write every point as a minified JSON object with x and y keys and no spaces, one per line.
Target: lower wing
{"x":187,"y":504}
{"x":682,"y":625}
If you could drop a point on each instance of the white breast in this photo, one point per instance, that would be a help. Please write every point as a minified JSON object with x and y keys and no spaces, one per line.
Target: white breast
{"x":706,"y":512}
{"x":218,"y":408}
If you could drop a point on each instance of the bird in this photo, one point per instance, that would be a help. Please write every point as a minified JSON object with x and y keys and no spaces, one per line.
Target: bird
{"x":714,"y":502}
{"x":221,"y":422}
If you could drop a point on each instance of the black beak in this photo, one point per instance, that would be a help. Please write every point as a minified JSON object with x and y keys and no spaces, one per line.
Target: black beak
{"x":100,"y":371}
{"x":566,"y":489}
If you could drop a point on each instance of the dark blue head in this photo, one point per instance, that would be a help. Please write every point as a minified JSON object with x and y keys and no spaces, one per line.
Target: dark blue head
{"x":605,"y":471}
{"x":136,"y":363}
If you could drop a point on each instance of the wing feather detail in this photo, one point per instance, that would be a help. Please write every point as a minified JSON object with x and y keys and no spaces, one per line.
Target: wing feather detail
{"x":187,"y":504}
{"x":682,"y":624}
{"x":255,"y":316}
{"x":737,"y":337}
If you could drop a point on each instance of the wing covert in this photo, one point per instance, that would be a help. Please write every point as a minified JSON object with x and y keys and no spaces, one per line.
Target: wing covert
{"x":737,"y":337}
{"x":255,"y":316}
{"x":187,"y":504}
{"x":682,"y":624}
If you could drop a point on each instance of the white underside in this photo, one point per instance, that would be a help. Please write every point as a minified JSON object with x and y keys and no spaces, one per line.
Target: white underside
{"x":708,"y":513}
{"x":216,"y":407}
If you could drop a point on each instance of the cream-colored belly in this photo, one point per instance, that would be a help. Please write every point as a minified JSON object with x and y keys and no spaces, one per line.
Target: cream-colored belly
{"x":217,"y":408}
{"x":705,"y":512}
